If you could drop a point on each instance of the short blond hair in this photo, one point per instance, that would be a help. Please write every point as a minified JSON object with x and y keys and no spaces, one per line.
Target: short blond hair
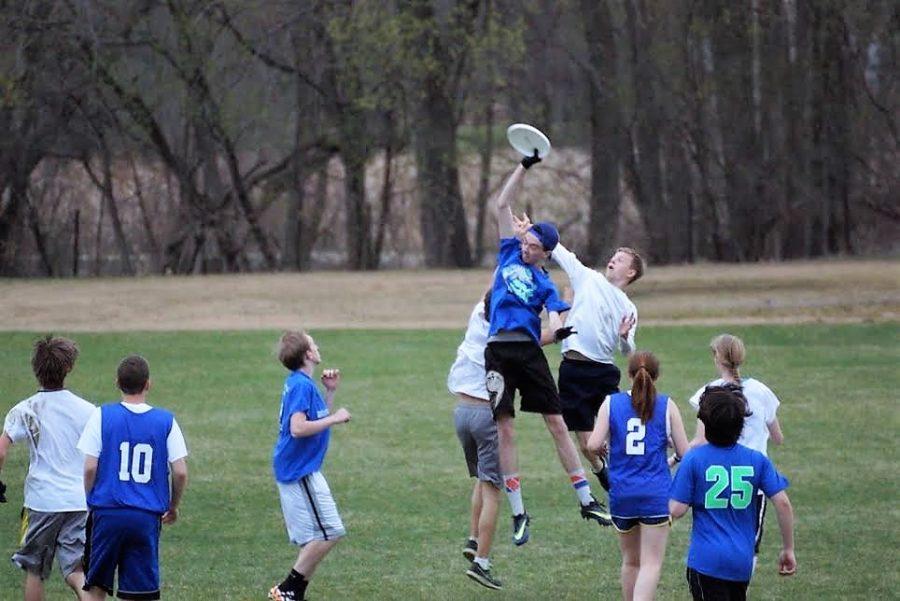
{"x":637,"y":262}
{"x":292,"y":349}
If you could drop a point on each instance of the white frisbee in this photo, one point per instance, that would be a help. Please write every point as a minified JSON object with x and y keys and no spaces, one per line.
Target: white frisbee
{"x":525,"y":139}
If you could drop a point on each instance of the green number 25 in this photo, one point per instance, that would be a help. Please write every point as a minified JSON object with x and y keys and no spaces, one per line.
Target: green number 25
{"x":741,"y":490}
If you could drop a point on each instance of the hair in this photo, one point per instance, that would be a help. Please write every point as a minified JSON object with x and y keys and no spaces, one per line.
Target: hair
{"x":292,"y":349}
{"x":133,"y":374}
{"x":487,"y":305}
{"x":637,"y":262}
{"x":722,"y":411}
{"x":52,"y":360}
{"x":643,"y":369}
{"x":729,"y":351}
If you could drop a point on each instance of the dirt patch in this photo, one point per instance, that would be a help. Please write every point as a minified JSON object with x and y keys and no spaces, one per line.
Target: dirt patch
{"x":829,"y":291}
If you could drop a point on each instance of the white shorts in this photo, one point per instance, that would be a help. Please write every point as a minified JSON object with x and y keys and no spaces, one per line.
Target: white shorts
{"x":468,"y":378}
{"x":309,"y":510}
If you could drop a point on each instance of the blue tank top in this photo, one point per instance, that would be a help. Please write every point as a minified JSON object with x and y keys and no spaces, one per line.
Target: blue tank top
{"x":133,"y":468}
{"x":638,"y":474}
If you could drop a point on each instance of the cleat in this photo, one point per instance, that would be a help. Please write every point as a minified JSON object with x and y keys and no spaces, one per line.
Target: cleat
{"x":596,"y":511}
{"x":483,"y":577}
{"x":276,"y":594}
{"x":470,"y":550}
{"x":520,"y":528}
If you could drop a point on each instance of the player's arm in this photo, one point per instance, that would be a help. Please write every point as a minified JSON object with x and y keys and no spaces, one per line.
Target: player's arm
{"x":775,"y":433}
{"x":331,"y":378}
{"x":787,"y":562}
{"x":569,"y":263}
{"x":5,"y":443}
{"x":676,"y":428}
{"x":627,"y":329}
{"x":90,"y":472}
{"x":699,"y":435}
{"x":179,"y":471}
{"x":601,"y":429}
{"x":505,"y":226}
{"x":301,"y":427}
{"x":677,"y":509}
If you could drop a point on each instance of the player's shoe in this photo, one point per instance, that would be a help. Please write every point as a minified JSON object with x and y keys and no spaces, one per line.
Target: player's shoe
{"x":520,"y":528}
{"x":470,"y":550}
{"x":277,"y":594}
{"x":483,"y":577}
{"x":596,"y":511}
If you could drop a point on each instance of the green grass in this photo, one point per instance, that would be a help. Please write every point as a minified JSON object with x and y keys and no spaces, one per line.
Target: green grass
{"x":399,"y":479}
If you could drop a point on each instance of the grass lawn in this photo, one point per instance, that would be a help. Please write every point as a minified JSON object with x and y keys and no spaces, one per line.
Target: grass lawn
{"x":399,"y":478}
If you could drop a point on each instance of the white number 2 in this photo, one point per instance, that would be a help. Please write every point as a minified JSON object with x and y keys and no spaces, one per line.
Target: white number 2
{"x":634,"y":441}
{"x":140,"y":459}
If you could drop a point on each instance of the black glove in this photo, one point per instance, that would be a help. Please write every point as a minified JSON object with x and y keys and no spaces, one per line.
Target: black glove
{"x":2,"y":492}
{"x":563,"y":333}
{"x":529,"y":161}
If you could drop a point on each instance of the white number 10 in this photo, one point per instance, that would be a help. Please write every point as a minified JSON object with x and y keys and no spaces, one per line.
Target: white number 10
{"x":634,"y":440}
{"x":141,"y":460}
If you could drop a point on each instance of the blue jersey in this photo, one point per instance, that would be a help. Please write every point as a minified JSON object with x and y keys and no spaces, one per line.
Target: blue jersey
{"x":520,"y":292}
{"x":292,"y":457}
{"x":639,"y":477}
{"x":133,"y":467}
{"x":720,"y":484}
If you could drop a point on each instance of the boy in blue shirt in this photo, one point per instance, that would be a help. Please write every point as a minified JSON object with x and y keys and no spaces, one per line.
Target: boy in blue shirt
{"x":522,"y":288}
{"x":310,"y":513}
{"x":719,"y":481}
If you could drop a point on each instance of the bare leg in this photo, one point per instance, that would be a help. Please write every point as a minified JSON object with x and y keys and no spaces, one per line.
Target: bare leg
{"x":653,"y":550}
{"x":594,"y":460}
{"x":630,"y":544}
{"x":34,"y":587}
{"x":565,"y":448}
{"x":311,"y":554}
{"x":506,"y":433}
{"x":76,"y":581}
{"x":487,"y":523}
{"x":95,"y":594}
{"x":476,"y":510}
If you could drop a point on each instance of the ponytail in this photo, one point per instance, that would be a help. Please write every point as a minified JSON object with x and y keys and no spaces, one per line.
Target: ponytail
{"x":643,"y":369}
{"x":729,"y":352}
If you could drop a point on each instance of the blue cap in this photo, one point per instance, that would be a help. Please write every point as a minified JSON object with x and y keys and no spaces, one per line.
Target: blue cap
{"x":546,"y":233}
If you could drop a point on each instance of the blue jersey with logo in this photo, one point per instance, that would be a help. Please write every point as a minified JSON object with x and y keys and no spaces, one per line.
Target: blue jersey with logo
{"x":520,"y":292}
{"x":720,"y":484}
{"x":133,"y":467}
{"x":639,"y":477}
{"x":294,"y":458}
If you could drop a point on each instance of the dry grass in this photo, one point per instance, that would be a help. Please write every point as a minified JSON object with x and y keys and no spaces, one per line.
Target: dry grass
{"x":828,"y":291}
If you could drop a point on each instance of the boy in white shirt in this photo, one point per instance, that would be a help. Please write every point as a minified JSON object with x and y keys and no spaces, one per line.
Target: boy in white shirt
{"x":55,"y":512}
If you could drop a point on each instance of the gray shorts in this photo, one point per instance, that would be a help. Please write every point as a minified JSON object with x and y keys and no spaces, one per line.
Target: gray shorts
{"x":309,"y":510}
{"x":477,"y":432}
{"x":49,"y":534}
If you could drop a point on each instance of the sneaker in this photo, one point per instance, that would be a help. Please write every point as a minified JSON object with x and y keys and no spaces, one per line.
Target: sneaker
{"x":520,"y":528}
{"x":595,"y":510}
{"x":483,"y":577}
{"x":277,"y":594}
{"x":470,"y":550}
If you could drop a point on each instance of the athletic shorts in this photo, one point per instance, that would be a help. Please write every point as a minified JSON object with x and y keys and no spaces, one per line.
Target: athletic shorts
{"x":48,"y":534}
{"x":309,"y":510}
{"x":467,"y":377}
{"x":125,"y":541}
{"x":709,"y":588}
{"x":628,"y":524}
{"x":583,"y":385}
{"x":760,"y":518}
{"x":521,"y":366}
{"x":477,"y":433}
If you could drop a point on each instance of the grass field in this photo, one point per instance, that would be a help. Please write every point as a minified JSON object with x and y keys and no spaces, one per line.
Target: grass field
{"x":400,"y":481}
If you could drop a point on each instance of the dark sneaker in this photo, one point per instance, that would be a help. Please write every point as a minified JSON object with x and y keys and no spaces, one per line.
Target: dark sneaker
{"x":596,"y":511}
{"x":483,"y":577}
{"x":603,"y":477}
{"x":471,"y":549}
{"x":520,"y":528}
{"x":277,"y":594}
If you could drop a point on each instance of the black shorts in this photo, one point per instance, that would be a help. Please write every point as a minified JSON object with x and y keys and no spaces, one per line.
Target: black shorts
{"x":708,"y":588}
{"x":521,"y":366}
{"x":760,"y":518}
{"x":582,"y":387}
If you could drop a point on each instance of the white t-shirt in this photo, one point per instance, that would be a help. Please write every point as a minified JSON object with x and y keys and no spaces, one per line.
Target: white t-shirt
{"x":764,"y":405}
{"x":467,"y":372}
{"x":51,"y":422}
{"x":91,"y":442}
{"x":596,"y":312}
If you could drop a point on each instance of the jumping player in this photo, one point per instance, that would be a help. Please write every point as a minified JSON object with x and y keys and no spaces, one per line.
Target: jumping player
{"x":513,"y":357}
{"x":305,"y":421}
{"x":55,"y":512}
{"x":639,"y":425}
{"x":720,"y":481}
{"x":130,"y":450}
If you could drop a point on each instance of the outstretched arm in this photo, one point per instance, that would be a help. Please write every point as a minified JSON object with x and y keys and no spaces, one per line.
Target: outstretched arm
{"x":504,"y":203}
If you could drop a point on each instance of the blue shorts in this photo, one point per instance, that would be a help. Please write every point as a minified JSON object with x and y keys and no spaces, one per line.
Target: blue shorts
{"x":126,"y":540}
{"x":627,"y":524}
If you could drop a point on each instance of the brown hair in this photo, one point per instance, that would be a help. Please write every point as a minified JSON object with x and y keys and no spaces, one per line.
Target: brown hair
{"x":729,"y":351}
{"x":722,"y":411}
{"x":52,"y":360}
{"x":637,"y":262}
{"x":643,"y":369}
{"x":292,"y":349}
{"x":133,"y":374}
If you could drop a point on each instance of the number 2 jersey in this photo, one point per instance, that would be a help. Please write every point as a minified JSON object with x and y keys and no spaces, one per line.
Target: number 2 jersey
{"x":134,"y":445}
{"x":720,"y":484}
{"x":639,"y":477}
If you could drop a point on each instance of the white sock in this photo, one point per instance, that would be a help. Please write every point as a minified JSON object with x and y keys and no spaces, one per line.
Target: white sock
{"x":514,"y":493}
{"x":484,"y":562}
{"x":581,"y":486}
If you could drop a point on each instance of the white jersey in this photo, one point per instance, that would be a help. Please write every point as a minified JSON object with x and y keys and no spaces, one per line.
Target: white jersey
{"x":51,"y":422}
{"x":596,"y":312}
{"x":91,"y":441}
{"x":467,"y":372}
{"x":764,"y":405}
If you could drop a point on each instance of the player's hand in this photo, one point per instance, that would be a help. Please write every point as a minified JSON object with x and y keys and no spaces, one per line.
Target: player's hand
{"x":330,"y":379}
{"x":521,"y":225}
{"x":562,"y":333}
{"x":170,"y":517}
{"x":2,"y":492}
{"x":341,"y":416}
{"x":626,"y":324}
{"x":527,"y":162}
{"x":787,"y":563}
